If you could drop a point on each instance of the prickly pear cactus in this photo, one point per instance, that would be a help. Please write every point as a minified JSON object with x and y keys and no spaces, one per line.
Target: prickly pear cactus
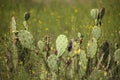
{"x":94,"y":13}
{"x":117,"y":55}
{"x":26,"y":39}
{"x":91,"y":47}
{"x":40,"y":45}
{"x":96,"y":33}
{"x":61,"y":44}
{"x":52,"y":62}
{"x":82,"y":63}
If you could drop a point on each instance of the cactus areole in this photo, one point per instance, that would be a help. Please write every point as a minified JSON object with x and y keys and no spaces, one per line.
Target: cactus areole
{"x":61,"y":44}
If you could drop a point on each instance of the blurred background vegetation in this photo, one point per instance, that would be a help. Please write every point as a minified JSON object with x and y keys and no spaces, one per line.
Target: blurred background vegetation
{"x":60,"y":17}
{"x":66,"y":16}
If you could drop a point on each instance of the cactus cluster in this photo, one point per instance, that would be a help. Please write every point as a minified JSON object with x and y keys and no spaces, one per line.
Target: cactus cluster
{"x":61,"y":44}
{"x":97,"y":15}
{"x":73,"y":65}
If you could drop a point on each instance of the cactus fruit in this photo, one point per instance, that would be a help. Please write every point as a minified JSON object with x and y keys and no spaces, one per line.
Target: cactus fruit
{"x":117,"y":55}
{"x":41,"y":45}
{"x":94,"y":13}
{"x":82,"y":63}
{"x":26,"y":39}
{"x":52,"y":63}
{"x":91,"y":47}
{"x":61,"y":44}
{"x":96,"y":33}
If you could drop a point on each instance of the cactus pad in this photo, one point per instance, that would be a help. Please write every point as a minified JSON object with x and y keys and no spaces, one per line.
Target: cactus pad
{"x":91,"y":47}
{"x":52,"y":62}
{"x":94,"y":13}
{"x":40,"y":45}
{"x":117,"y":55}
{"x":82,"y":62}
{"x":26,"y":39}
{"x":96,"y":33}
{"x":61,"y":44}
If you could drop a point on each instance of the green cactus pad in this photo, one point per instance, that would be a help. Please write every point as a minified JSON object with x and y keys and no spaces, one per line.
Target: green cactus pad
{"x":94,"y":13}
{"x":26,"y":39}
{"x":40,"y":45}
{"x":91,"y":47}
{"x":117,"y":55}
{"x":61,"y":44}
{"x":96,"y":33}
{"x":52,"y":62}
{"x":82,"y":62}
